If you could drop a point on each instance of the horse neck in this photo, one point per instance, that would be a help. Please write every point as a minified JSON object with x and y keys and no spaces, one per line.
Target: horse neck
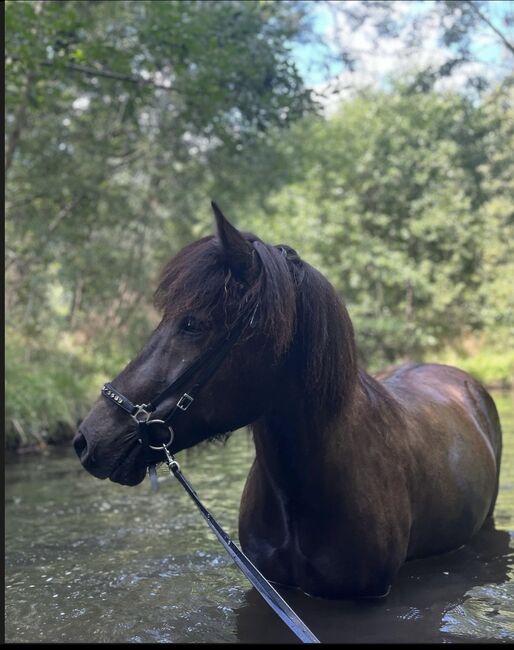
{"x":295,"y":439}
{"x":300,"y":450}
{"x":322,"y":400}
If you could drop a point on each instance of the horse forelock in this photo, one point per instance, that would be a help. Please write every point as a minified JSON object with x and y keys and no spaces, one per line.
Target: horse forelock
{"x":199,"y":278}
{"x":191,"y":280}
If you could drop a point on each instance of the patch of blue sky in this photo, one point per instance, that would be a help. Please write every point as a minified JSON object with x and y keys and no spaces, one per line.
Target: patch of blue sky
{"x":491,"y":51}
{"x":318,"y":61}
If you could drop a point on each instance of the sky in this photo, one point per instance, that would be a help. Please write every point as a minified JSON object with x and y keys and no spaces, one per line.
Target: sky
{"x":390,"y":55}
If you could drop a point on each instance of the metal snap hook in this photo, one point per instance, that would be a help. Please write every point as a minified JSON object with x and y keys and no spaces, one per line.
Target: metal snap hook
{"x":173,"y":466}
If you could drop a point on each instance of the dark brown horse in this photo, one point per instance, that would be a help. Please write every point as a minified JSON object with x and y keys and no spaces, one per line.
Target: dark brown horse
{"x":353,"y":475}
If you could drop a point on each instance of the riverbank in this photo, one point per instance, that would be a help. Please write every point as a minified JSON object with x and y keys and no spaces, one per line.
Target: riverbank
{"x":48,"y":392}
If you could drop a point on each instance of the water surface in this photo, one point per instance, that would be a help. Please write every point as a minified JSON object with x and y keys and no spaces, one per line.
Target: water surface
{"x":89,"y":560}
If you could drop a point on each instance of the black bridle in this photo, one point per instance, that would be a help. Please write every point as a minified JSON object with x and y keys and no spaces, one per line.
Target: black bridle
{"x":194,"y":377}
{"x":189,"y":382}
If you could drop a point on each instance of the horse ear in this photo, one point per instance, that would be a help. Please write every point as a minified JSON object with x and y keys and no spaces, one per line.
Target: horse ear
{"x":238,"y":251}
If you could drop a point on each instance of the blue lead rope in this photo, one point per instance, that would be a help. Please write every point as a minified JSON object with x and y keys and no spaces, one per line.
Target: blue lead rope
{"x":270,"y":595}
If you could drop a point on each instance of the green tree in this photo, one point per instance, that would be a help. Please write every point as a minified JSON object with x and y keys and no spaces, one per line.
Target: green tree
{"x":388,"y":200}
{"x":497,"y":216}
{"x":122,"y":119}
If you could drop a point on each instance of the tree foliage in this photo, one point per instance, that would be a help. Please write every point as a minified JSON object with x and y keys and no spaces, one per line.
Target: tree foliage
{"x":469,"y":42}
{"x":404,"y":199}
{"x":123,"y":120}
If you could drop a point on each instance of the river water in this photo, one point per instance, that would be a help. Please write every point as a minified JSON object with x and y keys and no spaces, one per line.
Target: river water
{"x":92,"y":561}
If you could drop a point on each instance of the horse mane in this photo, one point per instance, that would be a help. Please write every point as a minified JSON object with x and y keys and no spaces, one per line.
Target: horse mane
{"x":295,"y":306}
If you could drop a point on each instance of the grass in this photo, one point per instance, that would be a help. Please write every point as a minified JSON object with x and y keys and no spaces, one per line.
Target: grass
{"x":47,"y":392}
{"x":494,"y":368}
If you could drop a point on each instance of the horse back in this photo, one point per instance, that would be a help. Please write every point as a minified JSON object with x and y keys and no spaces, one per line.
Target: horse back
{"x":448,"y":384}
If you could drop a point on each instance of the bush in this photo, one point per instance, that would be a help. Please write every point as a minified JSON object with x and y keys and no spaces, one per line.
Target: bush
{"x":494,"y":368}
{"x":47,"y":391}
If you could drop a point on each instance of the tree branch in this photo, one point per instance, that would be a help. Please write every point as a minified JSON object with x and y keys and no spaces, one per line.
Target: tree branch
{"x":486,"y":20}
{"x":110,"y":74}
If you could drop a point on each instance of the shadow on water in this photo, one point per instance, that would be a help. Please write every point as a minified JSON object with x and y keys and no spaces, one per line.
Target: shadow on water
{"x":460,"y":596}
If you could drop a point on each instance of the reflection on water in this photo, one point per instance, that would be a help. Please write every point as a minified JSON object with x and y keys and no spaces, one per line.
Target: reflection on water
{"x":461,"y":596}
{"x":88,"y":560}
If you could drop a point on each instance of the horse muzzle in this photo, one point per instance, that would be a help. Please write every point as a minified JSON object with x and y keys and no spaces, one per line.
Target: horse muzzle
{"x":125,"y":466}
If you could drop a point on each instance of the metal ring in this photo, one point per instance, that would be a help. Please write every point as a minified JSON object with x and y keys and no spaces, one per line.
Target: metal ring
{"x":172,"y":435}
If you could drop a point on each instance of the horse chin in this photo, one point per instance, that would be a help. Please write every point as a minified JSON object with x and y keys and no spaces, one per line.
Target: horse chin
{"x":128,"y":475}
{"x":131,"y":471}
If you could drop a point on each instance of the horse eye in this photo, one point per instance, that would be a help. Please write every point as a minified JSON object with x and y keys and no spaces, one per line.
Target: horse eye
{"x":191,"y":325}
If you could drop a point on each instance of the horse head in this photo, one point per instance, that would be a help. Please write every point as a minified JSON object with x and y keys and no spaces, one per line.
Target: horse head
{"x":229,"y":282}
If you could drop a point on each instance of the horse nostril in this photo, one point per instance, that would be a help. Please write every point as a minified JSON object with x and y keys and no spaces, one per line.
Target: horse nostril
{"x":80,"y":444}
{"x":85,"y":445}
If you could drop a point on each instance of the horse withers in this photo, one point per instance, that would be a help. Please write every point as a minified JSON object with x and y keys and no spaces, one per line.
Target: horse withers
{"x":353,"y":475}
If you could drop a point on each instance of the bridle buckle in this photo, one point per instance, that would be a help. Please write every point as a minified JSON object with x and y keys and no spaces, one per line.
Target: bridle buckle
{"x":185,"y":402}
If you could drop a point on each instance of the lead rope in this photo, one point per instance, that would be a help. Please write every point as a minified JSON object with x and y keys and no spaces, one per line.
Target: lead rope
{"x":270,"y":595}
